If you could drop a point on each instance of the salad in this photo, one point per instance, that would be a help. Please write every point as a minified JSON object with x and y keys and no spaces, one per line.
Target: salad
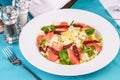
{"x":69,"y":43}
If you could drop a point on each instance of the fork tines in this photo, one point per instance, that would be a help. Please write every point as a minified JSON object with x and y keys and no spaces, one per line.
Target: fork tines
{"x":9,"y":55}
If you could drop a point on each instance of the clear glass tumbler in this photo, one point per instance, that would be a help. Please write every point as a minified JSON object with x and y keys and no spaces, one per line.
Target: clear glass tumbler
{"x":9,"y":18}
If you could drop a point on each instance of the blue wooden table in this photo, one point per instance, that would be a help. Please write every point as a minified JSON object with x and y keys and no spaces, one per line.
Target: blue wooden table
{"x":11,"y":72}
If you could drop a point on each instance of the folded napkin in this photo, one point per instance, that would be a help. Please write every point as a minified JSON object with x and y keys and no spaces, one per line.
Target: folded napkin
{"x":107,"y":4}
{"x":40,"y":6}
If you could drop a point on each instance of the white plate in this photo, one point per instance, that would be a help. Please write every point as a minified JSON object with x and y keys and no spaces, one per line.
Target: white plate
{"x":107,"y":31}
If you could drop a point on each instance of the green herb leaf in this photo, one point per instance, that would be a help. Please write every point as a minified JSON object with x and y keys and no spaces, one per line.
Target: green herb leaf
{"x":89,"y":31}
{"x":64,"y":59}
{"x":45,"y":28}
{"x":66,"y":62}
{"x":90,"y":53}
{"x":90,"y":48}
{"x":63,"y":54}
{"x":52,"y":27}
{"x":43,"y":42}
{"x":82,"y":47}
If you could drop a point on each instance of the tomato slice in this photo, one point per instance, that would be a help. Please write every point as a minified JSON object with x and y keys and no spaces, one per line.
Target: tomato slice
{"x":73,"y":58}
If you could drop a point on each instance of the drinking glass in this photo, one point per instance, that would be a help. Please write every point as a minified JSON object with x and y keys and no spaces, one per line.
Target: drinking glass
{"x":9,"y":18}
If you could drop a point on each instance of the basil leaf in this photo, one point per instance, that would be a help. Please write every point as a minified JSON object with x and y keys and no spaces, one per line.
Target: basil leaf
{"x":66,"y":62}
{"x":83,"y":48}
{"x":90,"y":53}
{"x":90,"y":48}
{"x":63,"y":54}
{"x":43,"y":42}
{"x":64,"y":59}
{"x":45,"y":28}
{"x":89,"y":31}
{"x":52,"y":27}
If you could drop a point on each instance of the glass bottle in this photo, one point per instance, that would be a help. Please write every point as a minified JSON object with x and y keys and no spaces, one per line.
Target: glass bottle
{"x":23,"y":8}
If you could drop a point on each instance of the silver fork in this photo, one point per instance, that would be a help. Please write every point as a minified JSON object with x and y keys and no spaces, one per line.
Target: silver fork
{"x":15,"y":61}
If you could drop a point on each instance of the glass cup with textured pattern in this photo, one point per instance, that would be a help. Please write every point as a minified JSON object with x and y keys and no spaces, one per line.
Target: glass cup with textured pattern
{"x":9,"y":18}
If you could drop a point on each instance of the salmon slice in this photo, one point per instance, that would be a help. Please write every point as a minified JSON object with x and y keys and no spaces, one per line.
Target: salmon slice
{"x":52,"y":56}
{"x":73,"y":58}
{"x":49,"y":36}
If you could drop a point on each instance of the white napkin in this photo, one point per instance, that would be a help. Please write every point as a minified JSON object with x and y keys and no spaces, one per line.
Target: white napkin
{"x":108,"y":3}
{"x":40,"y":6}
